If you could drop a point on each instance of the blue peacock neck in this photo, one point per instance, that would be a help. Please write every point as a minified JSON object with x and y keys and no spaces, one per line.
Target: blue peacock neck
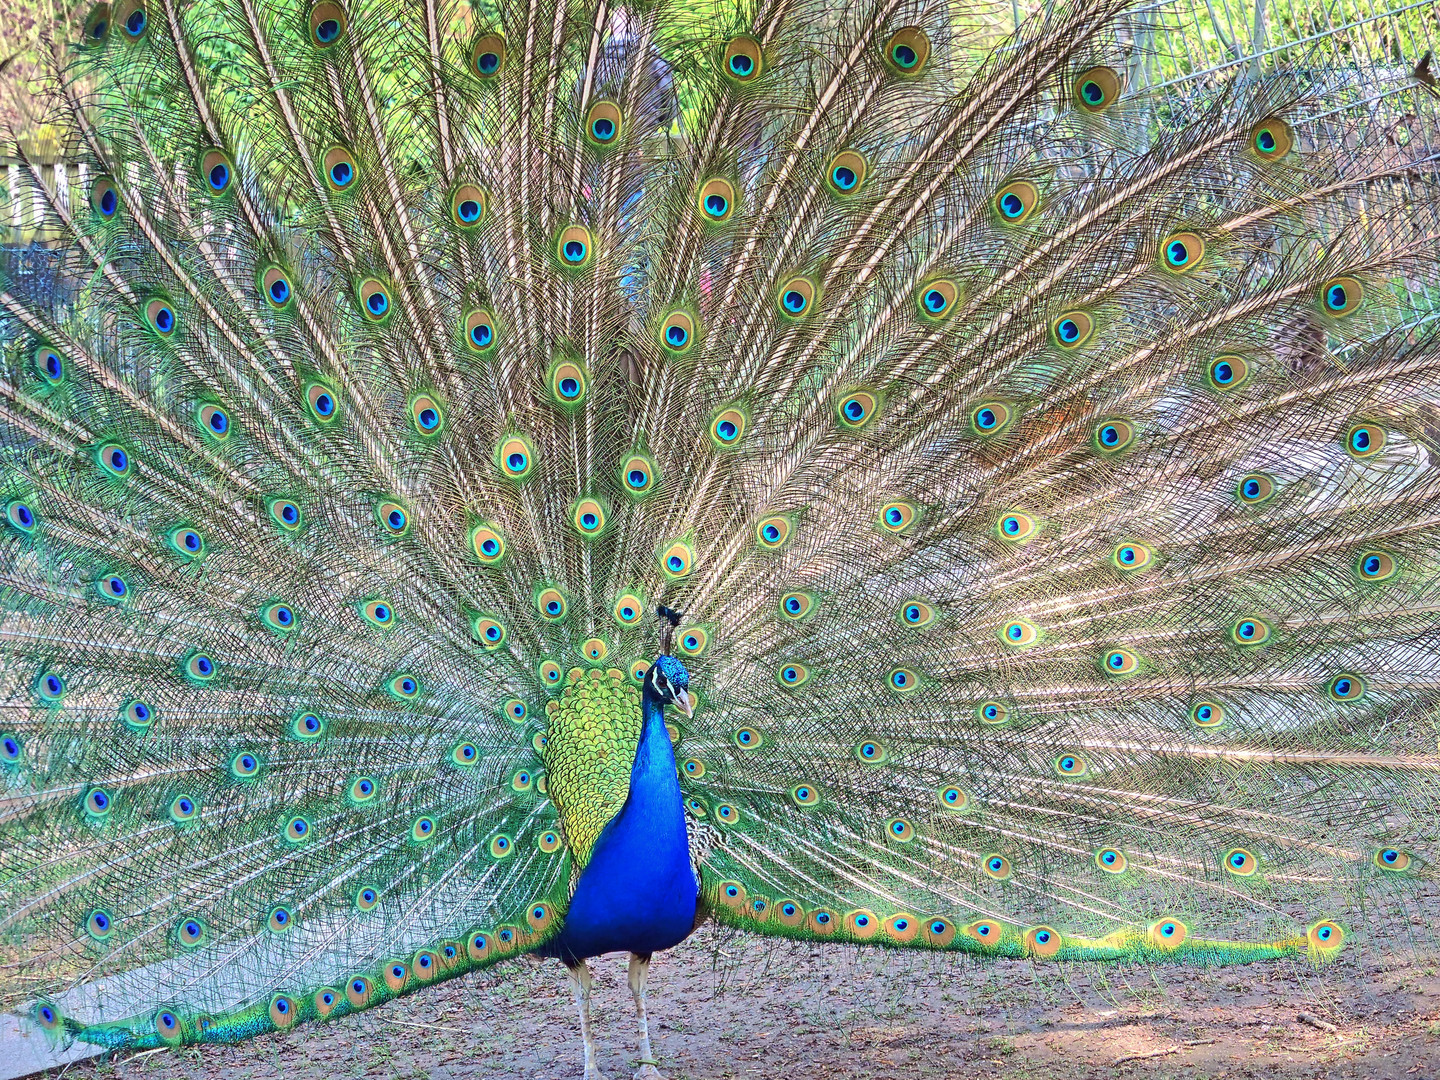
{"x":638,"y":892}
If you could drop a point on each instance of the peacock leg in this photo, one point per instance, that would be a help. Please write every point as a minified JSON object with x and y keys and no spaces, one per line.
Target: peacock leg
{"x":639,"y":971}
{"x":583,"y":984}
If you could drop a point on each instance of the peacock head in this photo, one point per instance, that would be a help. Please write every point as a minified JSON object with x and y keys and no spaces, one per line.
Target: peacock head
{"x":669,"y":682}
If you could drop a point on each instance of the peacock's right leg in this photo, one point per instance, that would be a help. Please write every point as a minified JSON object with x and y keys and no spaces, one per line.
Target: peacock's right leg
{"x":639,"y":971}
{"x":580,"y":972}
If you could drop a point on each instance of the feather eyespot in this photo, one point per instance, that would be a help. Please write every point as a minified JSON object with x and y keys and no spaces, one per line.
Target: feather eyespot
{"x":501,"y":846}
{"x":694,"y":768}
{"x":1376,"y":566}
{"x":550,"y":673}
{"x":902,"y":928}
{"x":907,"y":51}
{"x":216,"y":171}
{"x":1341,"y":296}
{"x":796,"y":298}
{"x":638,"y":476}
{"x":1111,"y":860}
{"x":1325,"y":938}
{"x":846,"y":173}
{"x":1119,"y":662}
{"x":603,"y":124}
{"x":100,"y":924}
{"x":1250,"y":631}
{"x":902,"y":680}
{"x":362,"y":790}
{"x":694,"y":640}
{"x":339,"y":169}
{"x":716,"y":200}
{"x":515,"y":458}
{"x":862,"y":923}
{"x":742,"y":61}
{"x":488,"y":544}
{"x":357,"y":992}
{"x":1042,"y":942}
{"x":112,"y":587}
{"x":137,"y":716}
{"x":480,"y":330}
{"x":677,"y":560}
{"x":916,"y":613}
{"x":426,"y":965}
{"x":322,"y":402}
{"x":487,"y":56}
{"x":900,"y":830}
{"x":1167,"y":933}
{"x":49,"y":365}
{"x":379,"y":613}
{"x":297,"y":830}
{"x":187,"y":543}
{"x":51,"y":687}
{"x":404,"y":687}
{"x":574,"y":247}
{"x":115,"y":460}
{"x":426,"y":415}
{"x":97,"y":804}
{"x":1016,"y":527}
{"x":1255,"y":488}
{"x":568,"y":384}
{"x":1392,"y":859}
{"x":1019,"y":633}
{"x":396,"y":975}
{"x":213,"y":421}
{"x":326,"y":1001}
{"x":871,"y":752}
{"x":628,"y":609}
{"x":793,"y":675}
{"x":992,"y":712}
{"x":1097,"y":89}
{"x":548,"y":841}
{"x":104,"y":198}
{"x":551,"y":604}
{"x":423,"y":829}
{"x":937,"y":299}
{"x":1364,"y":440}
{"x":1129,"y":555}
{"x":1016,"y":201}
{"x":996,"y":866}
{"x":1112,"y":436}
{"x":160,"y":317}
{"x":1182,"y":252}
{"x":638,"y":670}
{"x":199,"y":668}
{"x":280,"y":618}
{"x":1240,"y":862}
{"x":773,"y":532}
{"x":990,"y":418}
{"x":393,"y":518}
{"x":515,"y":710}
{"x":467,"y":206}
{"x":183,"y":808}
{"x":1271,"y":139}
{"x":190,"y":932}
{"x":375,"y":303}
{"x":1072,"y":330}
{"x":1346,"y":687}
{"x":279,"y":920}
{"x":728,"y":427}
{"x":857,"y":409}
{"x":804,"y":795}
{"x":307,"y":727}
{"x":465,"y":754}
{"x":748,"y":738}
{"x":588,"y":518}
{"x":1207,"y":714}
{"x":677,"y":333}
{"x":539,"y":916}
{"x":245,"y":766}
{"x":1228,"y":372}
{"x":896,"y":517}
{"x":953,"y":798}
{"x":327,"y":24}
{"x":275,"y":286}
{"x":796,"y":605}
{"x":1070,"y":766}
{"x":168,"y":1026}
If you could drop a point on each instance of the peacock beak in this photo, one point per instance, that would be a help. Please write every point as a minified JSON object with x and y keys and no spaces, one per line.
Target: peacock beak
{"x":682,"y":698}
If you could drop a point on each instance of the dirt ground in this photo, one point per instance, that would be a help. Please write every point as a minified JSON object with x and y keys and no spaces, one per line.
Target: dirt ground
{"x":724,"y":1006}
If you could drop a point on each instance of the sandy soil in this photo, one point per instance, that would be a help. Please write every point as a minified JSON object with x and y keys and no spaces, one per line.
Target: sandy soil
{"x":725,"y":1006}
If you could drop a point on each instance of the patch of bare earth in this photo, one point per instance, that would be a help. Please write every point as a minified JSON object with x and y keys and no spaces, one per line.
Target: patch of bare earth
{"x":724,"y":1005}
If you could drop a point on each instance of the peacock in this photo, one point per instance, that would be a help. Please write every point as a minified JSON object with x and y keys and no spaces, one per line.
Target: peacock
{"x":533,"y":476}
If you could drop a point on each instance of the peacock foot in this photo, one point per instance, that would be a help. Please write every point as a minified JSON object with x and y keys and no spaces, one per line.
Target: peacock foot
{"x":648,"y":1071}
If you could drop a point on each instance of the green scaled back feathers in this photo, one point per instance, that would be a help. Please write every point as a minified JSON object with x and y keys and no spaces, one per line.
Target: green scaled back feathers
{"x":1045,"y":465}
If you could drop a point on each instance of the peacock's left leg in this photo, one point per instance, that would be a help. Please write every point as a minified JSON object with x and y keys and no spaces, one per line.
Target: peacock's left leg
{"x":639,"y":970}
{"x":583,"y":984}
